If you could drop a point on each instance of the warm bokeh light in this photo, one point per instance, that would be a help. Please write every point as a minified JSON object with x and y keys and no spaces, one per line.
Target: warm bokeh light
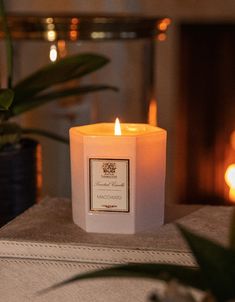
{"x":117,"y":127}
{"x":75,"y":21}
{"x":161,"y":37}
{"x":51,"y":26}
{"x":98,"y":35}
{"x":53,"y":53}
{"x":51,"y":35}
{"x":152,"y":114}
{"x":62,"y":48}
{"x":49,"y":20}
{"x":230,"y":180}
{"x":162,"y":26}
{"x":73,"y":34}
{"x":167,"y":21}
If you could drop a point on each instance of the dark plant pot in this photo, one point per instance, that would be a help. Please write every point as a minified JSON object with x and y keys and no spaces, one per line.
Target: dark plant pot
{"x":19,"y":179}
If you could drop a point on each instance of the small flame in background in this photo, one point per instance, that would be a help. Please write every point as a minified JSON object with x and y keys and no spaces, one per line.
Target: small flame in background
{"x":152,"y":114}
{"x":230,"y":180}
{"x":117,"y":127}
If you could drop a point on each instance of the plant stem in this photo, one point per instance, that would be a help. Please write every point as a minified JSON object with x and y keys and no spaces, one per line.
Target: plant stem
{"x":46,"y":134}
{"x":9,"y":46}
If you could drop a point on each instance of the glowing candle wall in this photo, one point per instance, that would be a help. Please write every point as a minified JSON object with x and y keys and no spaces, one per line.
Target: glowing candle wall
{"x":118,"y":180}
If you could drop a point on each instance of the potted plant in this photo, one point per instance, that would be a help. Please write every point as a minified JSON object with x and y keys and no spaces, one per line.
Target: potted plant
{"x":18,"y":153}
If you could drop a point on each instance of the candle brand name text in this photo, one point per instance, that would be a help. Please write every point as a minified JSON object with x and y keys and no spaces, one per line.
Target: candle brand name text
{"x":109,"y":184}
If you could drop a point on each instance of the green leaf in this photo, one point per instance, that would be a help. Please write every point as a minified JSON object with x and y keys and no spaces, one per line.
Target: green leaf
{"x":232,"y":232}
{"x":64,"y":70}
{"x":6,"y":98}
{"x":165,"y":272}
{"x":217,"y":264}
{"x":27,"y":104}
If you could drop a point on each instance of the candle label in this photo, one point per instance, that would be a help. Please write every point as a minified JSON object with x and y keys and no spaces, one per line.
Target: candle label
{"x":109,"y":185}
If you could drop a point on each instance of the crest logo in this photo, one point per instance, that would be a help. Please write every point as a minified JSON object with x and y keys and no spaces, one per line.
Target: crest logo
{"x":109,"y":169}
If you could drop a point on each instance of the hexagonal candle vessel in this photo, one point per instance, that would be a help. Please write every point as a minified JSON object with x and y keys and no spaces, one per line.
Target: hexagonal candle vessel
{"x":118,"y":181}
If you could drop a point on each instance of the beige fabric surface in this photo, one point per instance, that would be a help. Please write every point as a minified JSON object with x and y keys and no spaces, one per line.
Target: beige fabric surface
{"x":21,"y":280}
{"x":43,"y":246}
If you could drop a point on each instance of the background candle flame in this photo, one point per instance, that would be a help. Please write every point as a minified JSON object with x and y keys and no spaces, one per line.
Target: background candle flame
{"x":117,"y":128}
{"x":152,"y":113}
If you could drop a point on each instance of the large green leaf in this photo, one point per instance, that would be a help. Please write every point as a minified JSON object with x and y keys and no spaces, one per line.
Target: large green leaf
{"x":165,"y":272}
{"x":216,"y":262}
{"x":59,"y":72}
{"x":6,"y":98}
{"x":27,"y":104}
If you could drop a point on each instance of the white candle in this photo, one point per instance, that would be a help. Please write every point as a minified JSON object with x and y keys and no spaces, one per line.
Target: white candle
{"x":118,"y":180}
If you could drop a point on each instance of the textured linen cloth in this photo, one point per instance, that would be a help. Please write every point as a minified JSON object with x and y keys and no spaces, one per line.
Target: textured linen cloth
{"x":43,"y":246}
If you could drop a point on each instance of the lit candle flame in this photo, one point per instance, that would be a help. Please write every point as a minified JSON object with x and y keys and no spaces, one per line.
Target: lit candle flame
{"x":117,"y":128}
{"x":230,"y":180}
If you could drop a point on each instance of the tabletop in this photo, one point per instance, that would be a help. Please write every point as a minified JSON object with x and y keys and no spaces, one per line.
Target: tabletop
{"x":43,"y":246}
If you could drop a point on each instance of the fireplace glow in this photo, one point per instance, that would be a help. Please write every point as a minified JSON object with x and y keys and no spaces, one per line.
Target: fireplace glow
{"x":230,"y":180}
{"x":232,"y":139}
